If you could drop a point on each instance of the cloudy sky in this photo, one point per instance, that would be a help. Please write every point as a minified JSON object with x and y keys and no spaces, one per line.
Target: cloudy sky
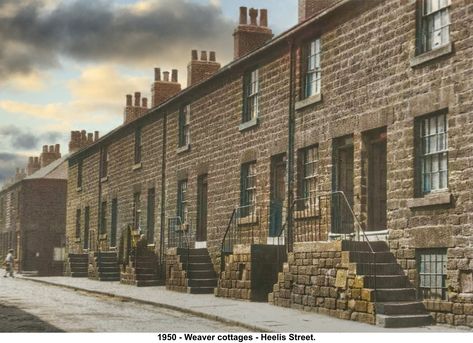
{"x":68,"y":64}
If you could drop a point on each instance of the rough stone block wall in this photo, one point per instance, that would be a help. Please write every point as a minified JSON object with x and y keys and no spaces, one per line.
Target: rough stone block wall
{"x":316,"y":278}
{"x":235,"y":281}
{"x":175,"y":273}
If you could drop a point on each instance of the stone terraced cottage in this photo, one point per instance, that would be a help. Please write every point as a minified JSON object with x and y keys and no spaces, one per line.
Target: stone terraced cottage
{"x":329,"y":169}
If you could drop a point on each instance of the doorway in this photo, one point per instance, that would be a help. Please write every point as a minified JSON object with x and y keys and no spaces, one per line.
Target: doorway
{"x":202,"y":190}
{"x":342,"y":203}
{"x":377,"y":175}
{"x":278,"y":194}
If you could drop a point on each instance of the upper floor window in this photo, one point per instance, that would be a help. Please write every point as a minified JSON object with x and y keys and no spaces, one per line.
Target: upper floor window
{"x":248,"y":187}
{"x":313,"y":72}
{"x":251,"y":92}
{"x":79,"y":174}
{"x":432,"y":153}
{"x":184,"y":120}
{"x":434,"y":24}
{"x":104,"y":159}
{"x":182,"y":201}
{"x":138,"y":145}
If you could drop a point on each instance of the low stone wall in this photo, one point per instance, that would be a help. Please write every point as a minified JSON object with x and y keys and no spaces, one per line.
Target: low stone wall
{"x":175,"y":273}
{"x":317,"y":277}
{"x":250,"y":271}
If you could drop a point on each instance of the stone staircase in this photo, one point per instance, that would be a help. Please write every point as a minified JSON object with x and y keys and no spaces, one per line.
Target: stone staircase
{"x":104,"y":266}
{"x":142,"y":273}
{"x":78,"y":265}
{"x":395,"y":297}
{"x":200,"y":274}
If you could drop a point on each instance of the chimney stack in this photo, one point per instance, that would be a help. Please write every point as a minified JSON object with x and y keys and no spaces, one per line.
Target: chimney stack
{"x":33,"y":165}
{"x":137,"y":109}
{"x":49,"y":155}
{"x":309,"y":8}
{"x":163,"y":89}
{"x":199,"y":70}
{"x":80,"y":139}
{"x":249,"y":37}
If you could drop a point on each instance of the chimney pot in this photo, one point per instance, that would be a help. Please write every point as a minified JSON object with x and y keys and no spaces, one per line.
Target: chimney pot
{"x":57,"y":148}
{"x":129,"y":100}
{"x":144,"y":102}
{"x":263,"y":17}
{"x":243,"y":15}
{"x":45,"y":148}
{"x":36,"y":160}
{"x":212,"y":56}
{"x":174,"y":75}
{"x":96,"y":138}
{"x":166,"y":76}
{"x":137,"y":99}
{"x":194,"y":55}
{"x":203,"y":55}
{"x":90,"y":137}
{"x":51,"y":148}
{"x":157,"y":74}
{"x":253,"y":16}
{"x":83,"y":137}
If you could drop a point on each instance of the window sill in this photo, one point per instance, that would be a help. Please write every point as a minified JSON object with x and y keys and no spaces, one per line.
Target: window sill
{"x":183,"y":148}
{"x":314,"y":99}
{"x":104,"y":179}
{"x":248,"y":124}
{"x":432,"y":55}
{"x":251,"y":219}
{"x":433,"y":199}
{"x":137,"y":166}
{"x":79,"y":189}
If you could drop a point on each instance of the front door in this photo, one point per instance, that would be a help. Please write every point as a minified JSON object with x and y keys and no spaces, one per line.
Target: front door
{"x":377,"y":194}
{"x":202,"y":187}
{"x":278,"y":193}
{"x":342,"y":203}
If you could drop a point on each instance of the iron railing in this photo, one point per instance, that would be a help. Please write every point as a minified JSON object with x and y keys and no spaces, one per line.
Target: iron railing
{"x":180,"y":235}
{"x":243,"y":228}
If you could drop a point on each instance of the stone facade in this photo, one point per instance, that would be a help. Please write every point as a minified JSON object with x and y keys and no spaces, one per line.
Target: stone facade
{"x":374,"y":84}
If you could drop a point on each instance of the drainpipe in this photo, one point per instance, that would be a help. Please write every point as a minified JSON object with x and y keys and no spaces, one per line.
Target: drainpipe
{"x":163,"y":200}
{"x":290,"y":148}
{"x":99,"y":213}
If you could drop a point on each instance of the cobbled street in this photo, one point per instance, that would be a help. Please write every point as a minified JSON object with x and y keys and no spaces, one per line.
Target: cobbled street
{"x":27,"y":306}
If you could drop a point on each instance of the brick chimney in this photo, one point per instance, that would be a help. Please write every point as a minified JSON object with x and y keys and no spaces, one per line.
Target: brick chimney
{"x":49,"y":155}
{"x":199,"y":70}
{"x":81,"y":139}
{"x":163,"y":89}
{"x":309,"y":8}
{"x":250,"y":36}
{"x":33,"y":165}
{"x":135,"y":110}
{"x":20,"y":174}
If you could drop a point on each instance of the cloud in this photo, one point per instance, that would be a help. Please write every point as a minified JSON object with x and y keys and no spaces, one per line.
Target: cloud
{"x":20,"y":139}
{"x":8,"y":164}
{"x":36,"y":36}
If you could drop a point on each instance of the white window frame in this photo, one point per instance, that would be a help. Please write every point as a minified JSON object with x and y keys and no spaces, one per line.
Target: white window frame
{"x":252,"y":96}
{"x":435,"y":24}
{"x":313,"y":72}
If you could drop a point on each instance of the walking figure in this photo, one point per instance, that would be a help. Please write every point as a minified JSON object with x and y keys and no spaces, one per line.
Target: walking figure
{"x":9,"y":264}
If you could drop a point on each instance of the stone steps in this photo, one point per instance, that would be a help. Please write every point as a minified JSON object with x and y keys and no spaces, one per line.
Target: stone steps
{"x":403,"y":321}
{"x":386,"y":281}
{"x":200,"y":274}
{"x":78,"y":265}
{"x":400,"y":308}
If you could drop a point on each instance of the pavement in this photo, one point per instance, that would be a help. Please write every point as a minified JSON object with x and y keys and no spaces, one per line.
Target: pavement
{"x":254,"y":316}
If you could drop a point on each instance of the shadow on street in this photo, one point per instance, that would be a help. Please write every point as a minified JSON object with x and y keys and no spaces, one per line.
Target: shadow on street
{"x":12,"y":319}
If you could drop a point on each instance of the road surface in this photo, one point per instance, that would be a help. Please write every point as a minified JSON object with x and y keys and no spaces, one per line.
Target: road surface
{"x":27,"y":306}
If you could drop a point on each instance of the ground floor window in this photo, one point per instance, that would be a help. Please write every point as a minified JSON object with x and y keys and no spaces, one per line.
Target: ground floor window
{"x":432,"y":267}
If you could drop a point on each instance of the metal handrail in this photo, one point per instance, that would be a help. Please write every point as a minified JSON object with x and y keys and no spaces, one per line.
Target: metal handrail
{"x":360,"y":228}
{"x":222,"y":258}
{"x":185,"y":236}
